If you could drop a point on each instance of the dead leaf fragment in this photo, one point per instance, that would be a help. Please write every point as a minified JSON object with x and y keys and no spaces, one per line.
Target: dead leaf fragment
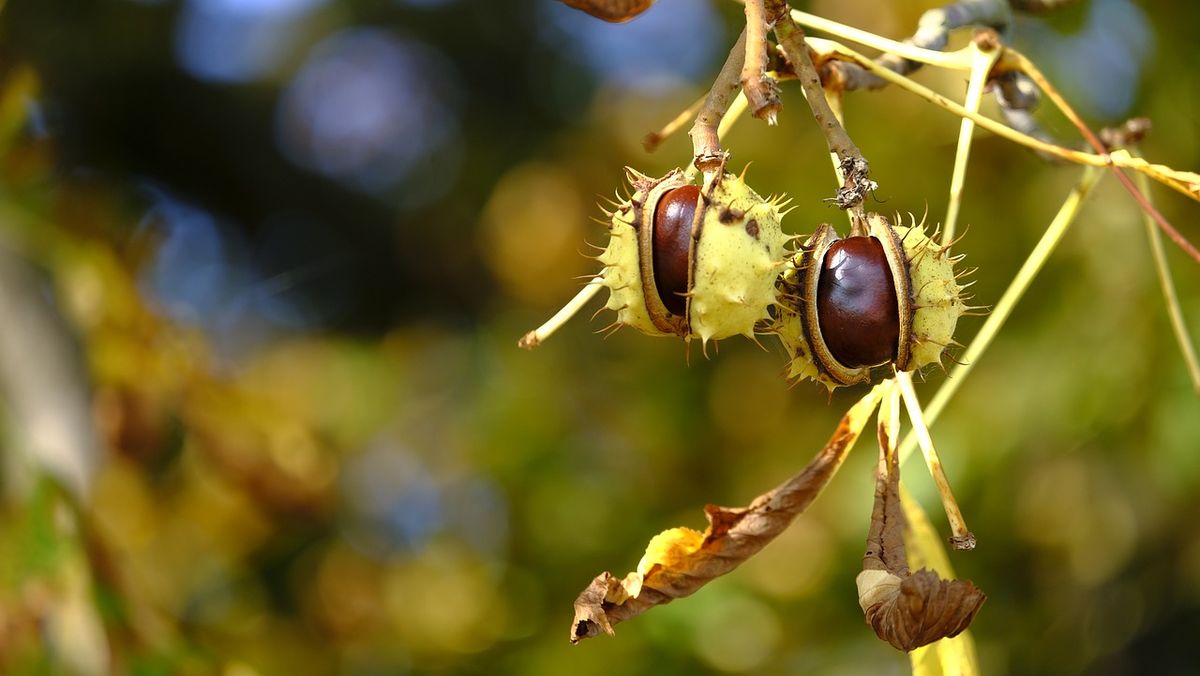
{"x":906,"y":610}
{"x":680,"y":561}
{"x":612,"y":11}
{"x":909,"y":612}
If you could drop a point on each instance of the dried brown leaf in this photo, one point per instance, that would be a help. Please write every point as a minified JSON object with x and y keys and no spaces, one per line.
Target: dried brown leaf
{"x":906,"y":610}
{"x":909,"y":612}
{"x":680,"y":561}
{"x":950,"y":656}
{"x":612,"y":11}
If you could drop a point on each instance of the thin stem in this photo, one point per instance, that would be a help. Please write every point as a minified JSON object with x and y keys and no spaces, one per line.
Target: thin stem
{"x":958,"y":60}
{"x":706,"y":144}
{"x":962,"y":537}
{"x":1030,"y":134}
{"x":1115,"y":160}
{"x":1168,"y":290}
{"x":838,"y":50}
{"x":935,"y":25}
{"x":655,"y":138}
{"x":981,"y":66}
{"x":534,"y":338}
{"x":933,"y":33}
{"x":1026,"y":66}
{"x":1016,"y":289}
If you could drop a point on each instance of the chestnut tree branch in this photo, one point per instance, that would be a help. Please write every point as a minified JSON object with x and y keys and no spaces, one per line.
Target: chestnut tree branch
{"x":761,"y":91}
{"x":706,"y":143}
{"x":853,"y":166}
{"x":45,"y":396}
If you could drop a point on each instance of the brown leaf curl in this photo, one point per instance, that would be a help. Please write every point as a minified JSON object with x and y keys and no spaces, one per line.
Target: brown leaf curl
{"x":906,"y":610}
{"x":680,"y":561}
{"x":912,"y":611}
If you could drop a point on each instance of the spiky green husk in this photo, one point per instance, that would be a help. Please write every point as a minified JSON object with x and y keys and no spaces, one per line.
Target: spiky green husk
{"x":738,"y":257}
{"x":936,"y":296}
{"x":739,"y":252}
{"x":621,"y":273}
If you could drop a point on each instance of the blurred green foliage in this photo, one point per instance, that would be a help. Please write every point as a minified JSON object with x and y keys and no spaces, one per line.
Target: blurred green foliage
{"x":322,"y":452}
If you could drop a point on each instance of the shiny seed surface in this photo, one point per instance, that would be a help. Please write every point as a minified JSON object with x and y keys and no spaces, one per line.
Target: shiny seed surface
{"x":672,"y":242}
{"x":856,"y":303}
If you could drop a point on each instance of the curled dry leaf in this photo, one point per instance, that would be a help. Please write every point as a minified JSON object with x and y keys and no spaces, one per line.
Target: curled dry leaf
{"x":906,"y":610}
{"x":612,"y":11}
{"x":680,"y":561}
{"x":915,"y":610}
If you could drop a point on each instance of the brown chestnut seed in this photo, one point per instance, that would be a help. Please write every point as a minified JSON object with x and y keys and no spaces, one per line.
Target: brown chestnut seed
{"x":668,"y":245}
{"x":856,"y":303}
{"x":672,"y":242}
{"x":839,"y":322}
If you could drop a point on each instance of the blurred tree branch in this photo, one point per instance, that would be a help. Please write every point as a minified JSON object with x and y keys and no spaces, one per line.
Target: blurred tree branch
{"x":44,"y":384}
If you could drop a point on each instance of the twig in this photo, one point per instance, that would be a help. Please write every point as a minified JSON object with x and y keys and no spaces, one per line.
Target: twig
{"x":853,"y":166}
{"x":962,"y":537}
{"x":985,"y":49}
{"x":1186,"y":183}
{"x":706,"y":144}
{"x":535,"y":337}
{"x":933,"y":32}
{"x":1026,"y":66}
{"x":652,"y":140}
{"x":1014,"y":92}
{"x":954,"y":60}
{"x":761,"y":91}
{"x":727,"y":121}
{"x":1178,"y":325}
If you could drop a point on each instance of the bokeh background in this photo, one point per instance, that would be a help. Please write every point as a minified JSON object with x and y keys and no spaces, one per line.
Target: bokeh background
{"x":263,"y":265}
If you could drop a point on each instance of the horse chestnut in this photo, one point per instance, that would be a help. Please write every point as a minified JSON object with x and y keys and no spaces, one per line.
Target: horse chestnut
{"x":889,"y":297}
{"x":693,"y":261}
